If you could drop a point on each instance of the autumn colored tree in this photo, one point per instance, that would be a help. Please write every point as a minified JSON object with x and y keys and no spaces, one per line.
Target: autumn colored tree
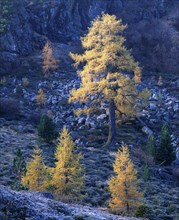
{"x":49,"y":61}
{"x":105,"y":62}
{"x":67,"y":177}
{"x":36,"y":176}
{"x":41,"y":99}
{"x":123,"y":186}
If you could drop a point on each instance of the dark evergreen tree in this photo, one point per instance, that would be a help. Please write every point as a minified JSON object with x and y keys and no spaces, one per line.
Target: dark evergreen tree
{"x":165,"y":154}
{"x":151,"y":146}
{"x":47,"y":129}
{"x":19,"y":168}
{"x":146,"y":173}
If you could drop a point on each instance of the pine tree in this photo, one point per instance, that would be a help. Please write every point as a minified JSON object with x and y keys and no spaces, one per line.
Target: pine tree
{"x":105,"y":61}
{"x":151,"y":146}
{"x":47,"y":129}
{"x":146,"y":173}
{"x":19,"y":168}
{"x":19,"y":165}
{"x":49,"y":62}
{"x":124,"y":185}
{"x":36,"y":176}
{"x":165,"y":154}
{"x":41,"y":99}
{"x":67,"y":177}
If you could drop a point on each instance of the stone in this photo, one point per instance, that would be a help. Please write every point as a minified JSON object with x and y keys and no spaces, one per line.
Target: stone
{"x":153,"y":106}
{"x":147,"y":130}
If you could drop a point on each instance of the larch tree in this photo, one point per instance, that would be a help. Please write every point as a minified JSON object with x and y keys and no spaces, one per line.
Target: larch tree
{"x":41,"y":99}
{"x":49,"y":61}
{"x":68,"y":174}
{"x":125,"y":194}
{"x":105,"y":63}
{"x":36,"y":176}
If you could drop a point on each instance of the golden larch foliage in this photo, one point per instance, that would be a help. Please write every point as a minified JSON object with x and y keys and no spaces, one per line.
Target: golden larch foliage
{"x":49,"y":61}
{"x":137,"y":75}
{"x":105,"y":62}
{"x":36,"y":176}
{"x":68,"y":174}
{"x":41,"y":99}
{"x":125,"y":194}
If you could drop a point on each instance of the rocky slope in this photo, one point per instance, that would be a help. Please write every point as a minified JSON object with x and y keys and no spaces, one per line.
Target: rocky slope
{"x":39,"y":206}
{"x":152,"y":32}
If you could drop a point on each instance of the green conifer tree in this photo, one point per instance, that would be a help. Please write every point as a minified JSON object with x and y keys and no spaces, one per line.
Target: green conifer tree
{"x":151,"y":146}
{"x":146,"y":173}
{"x":19,"y":168}
{"x":165,"y":154}
{"x":47,"y":129}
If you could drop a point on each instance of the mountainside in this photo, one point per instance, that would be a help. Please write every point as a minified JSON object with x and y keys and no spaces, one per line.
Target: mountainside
{"x":36,"y":206}
{"x":153,"y":28}
{"x":153,"y":37}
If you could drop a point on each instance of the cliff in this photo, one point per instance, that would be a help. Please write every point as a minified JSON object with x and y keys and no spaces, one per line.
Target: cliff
{"x":153,"y":29}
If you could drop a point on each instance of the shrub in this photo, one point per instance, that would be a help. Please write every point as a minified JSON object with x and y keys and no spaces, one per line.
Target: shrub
{"x":19,"y":91}
{"x":142,"y":211}
{"x":3,"y":80}
{"x":41,"y":99}
{"x":46,"y":129}
{"x":9,"y":107}
{"x":146,"y":173}
{"x":171,"y":208}
{"x":25,"y":82}
{"x":142,"y":156}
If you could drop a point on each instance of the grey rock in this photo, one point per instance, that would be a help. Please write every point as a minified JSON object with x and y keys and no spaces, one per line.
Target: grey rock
{"x":147,"y":130}
{"x":153,"y":106}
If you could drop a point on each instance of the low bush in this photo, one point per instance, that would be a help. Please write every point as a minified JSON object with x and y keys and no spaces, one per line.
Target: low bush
{"x":142,"y":211}
{"x":9,"y":107}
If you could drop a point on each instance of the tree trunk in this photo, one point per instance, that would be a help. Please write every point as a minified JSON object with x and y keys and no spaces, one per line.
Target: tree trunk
{"x":112,"y":125}
{"x":127,"y":207}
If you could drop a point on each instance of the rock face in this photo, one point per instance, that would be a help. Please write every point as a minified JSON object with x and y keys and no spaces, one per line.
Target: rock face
{"x":37,"y":206}
{"x":153,"y":28}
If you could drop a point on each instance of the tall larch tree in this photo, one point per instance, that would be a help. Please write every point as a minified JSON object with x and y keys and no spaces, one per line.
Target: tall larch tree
{"x":49,"y":61}
{"x":68,"y":174}
{"x":36,"y":176}
{"x":123,"y":186}
{"x":105,"y":62}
